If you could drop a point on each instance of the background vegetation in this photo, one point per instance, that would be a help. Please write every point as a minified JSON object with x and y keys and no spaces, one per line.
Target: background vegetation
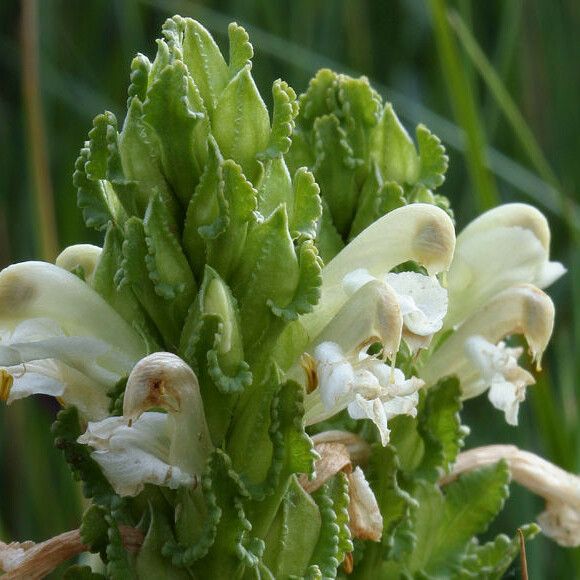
{"x":498,"y":81}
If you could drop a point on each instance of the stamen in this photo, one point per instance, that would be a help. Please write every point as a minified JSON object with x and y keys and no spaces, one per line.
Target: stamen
{"x":6,"y":382}
{"x":309,"y":365}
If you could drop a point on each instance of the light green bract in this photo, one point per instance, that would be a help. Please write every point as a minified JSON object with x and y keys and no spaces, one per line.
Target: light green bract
{"x":262,"y":369}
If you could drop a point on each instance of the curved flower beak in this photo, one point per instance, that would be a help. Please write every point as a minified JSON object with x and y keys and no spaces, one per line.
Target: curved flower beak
{"x":59,"y":337}
{"x":520,"y":309}
{"x":41,"y":290}
{"x":419,"y":232}
{"x":141,"y":447}
{"x":82,"y":258}
{"x":505,"y":246}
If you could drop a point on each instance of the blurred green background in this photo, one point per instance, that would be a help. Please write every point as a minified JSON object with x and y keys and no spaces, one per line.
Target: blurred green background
{"x":498,"y":81}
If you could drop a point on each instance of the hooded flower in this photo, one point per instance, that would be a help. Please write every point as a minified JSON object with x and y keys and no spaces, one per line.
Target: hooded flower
{"x":361,"y":309}
{"x":476,"y":354}
{"x":59,"y":337}
{"x":163,"y":448}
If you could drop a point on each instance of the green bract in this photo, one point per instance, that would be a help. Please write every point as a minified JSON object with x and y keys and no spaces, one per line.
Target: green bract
{"x":254,"y":246}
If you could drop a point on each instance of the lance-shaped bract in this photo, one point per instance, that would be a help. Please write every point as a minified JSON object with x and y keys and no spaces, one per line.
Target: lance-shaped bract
{"x":418,"y":232}
{"x":520,"y":309}
{"x":560,"y":489}
{"x":168,"y":449}
{"x":505,"y":246}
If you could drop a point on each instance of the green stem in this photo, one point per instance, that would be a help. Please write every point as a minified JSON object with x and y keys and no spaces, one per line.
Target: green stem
{"x":39,"y":165}
{"x":464,"y":105}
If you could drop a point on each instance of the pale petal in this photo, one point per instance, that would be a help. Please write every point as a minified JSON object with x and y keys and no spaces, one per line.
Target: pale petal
{"x":85,"y":256}
{"x":561,"y":522}
{"x":42,"y":290}
{"x":131,"y":457}
{"x":419,"y":232}
{"x":335,"y":374}
{"x":54,"y":378}
{"x":374,"y":410}
{"x":423,"y":303}
{"x":505,"y":246}
{"x":365,"y":519}
{"x":371,"y":314}
{"x":518,"y":310}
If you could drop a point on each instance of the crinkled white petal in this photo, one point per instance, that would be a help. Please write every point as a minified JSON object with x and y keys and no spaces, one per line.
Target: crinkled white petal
{"x":419,"y":232}
{"x":497,"y":369}
{"x":365,"y":519}
{"x":54,"y":378}
{"x":335,"y":374}
{"x":561,"y":521}
{"x":423,"y":302}
{"x":132,"y":456}
{"x":373,"y":409}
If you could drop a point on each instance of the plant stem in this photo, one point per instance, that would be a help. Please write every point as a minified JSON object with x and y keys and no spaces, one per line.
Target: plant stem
{"x":38,"y":157}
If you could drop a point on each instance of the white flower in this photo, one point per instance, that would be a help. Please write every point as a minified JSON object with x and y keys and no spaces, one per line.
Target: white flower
{"x":168,"y":449}
{"x":419,"y":232}
{"x":561,"y":490}
{"x":498,"y":369}
{"x":503,"y":247}
{"x":59,"y":337}
{"x":363,"y":384}
{"x":422,"y":300}
{"x":471,"y":354}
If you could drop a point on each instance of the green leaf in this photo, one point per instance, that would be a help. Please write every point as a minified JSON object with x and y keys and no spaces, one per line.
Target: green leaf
{"x":335,"y":171}
{"x":168,"y":267}
{"x":81,"y":573}
{"x":149,"y":562}
{"x":268,"y":274}
{"x":307,"y":292}
{"x":224,"y":252}
{"x":433,"y":160}
{"x":174,"y":109}
{"x":201,"y":55}
{"x":140,"y":159}
{"x":94,"y":528}
{"x":376,"y":200}
{"x":241,"y":124}
{"x":338,"y":489}
{"x":393,"y":150}
{"x":241,"y":51}
{"x":305,"y":212}
{"x":66,"y":430}
{"x":293,"y":534}
{"x":285,"y":111}
{"x":140,"y":69}
{"x":491,"y":560}
{"x":441,"y":429}
{"x":444,"y":523}
{"x":122,"y":298}
{"x":275,"y":188}
{"x":326,"y":551}
{"x":319,"y":99}
{"x":328,"y":241}
{"x":95,"y":197}
{"x":218,"y":216}
{"x":134,"y":272}
{"x":119,"y":564}
{"x":234,"y":550}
